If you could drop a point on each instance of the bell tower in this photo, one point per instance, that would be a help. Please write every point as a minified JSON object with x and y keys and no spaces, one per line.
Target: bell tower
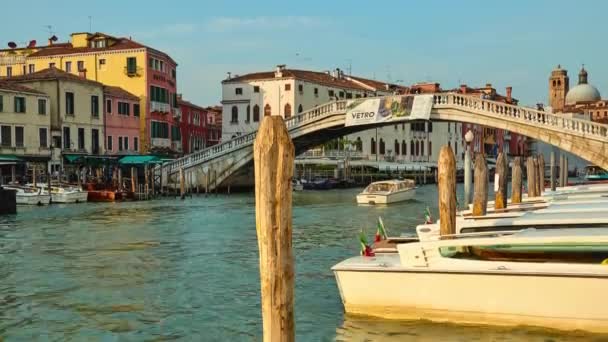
{"x":559,"y":84}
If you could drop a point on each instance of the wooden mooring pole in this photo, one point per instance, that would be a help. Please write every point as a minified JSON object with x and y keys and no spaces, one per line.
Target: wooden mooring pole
{"x":531,"y":177}
{"x":552,"y":161}
{"x":446,"y":176}
{"x":541,"y":174}
{"x":537,"y":176}
{"x":133,"y":175}
{"x":501,"y":177}
{"x":182,"y":184}
{"x":516,"y":175}
{"x":480,"y":186}
{"x":273,"y":162}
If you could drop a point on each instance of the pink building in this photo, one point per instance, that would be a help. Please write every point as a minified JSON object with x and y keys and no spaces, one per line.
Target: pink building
{"x":121,"y":121}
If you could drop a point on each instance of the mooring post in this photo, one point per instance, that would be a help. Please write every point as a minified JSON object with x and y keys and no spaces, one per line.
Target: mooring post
{"x":133,"y":180}
{"x":467,"y":177}
{"x":516,"y":182}
{"x":541,"y":174}
{"x":34,"y":175}
{"x":8,"y":201}
{"x":182,"y":190}
{"x":446,"y":175}
{"x":537,"y":176}
{"x":273,"y":162}
{"x":565,"y":170}
{"x":531,"y":177}
{"x":13,"y":176}
{"x":480,"y":195}
{"x":501,"y":177}
{"x":207,"y":181}
{"x":215,"y":181}
{"x":561,"y":170}
{"x":552,"y":161}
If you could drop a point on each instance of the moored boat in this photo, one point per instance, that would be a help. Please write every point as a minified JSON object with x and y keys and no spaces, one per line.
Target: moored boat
{"x":595,"y":174}
{"x":29,"y":195}
{"x":488,"y":278}
{"x":386,"y":192}
{"x":65,"y":193}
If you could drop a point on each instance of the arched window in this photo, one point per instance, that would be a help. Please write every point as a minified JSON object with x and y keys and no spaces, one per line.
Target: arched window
{"x":248,"y":114}
{"x":359,"y":144}
{"x":300,"y":109}
{"x":397,"y":147}
{"x":422,"y":148}
{"x":235,"y":115}
{"x":373,"y":146}
{"x":554,"y":83}
{"x":417,"y":148}
{"x":287,"y":111}
{"x":412,"y":146}
{"x":256,"y":113}
{"x":430,"y":148}
{"x":559,"y":82}
{"x":449,"y":144}
{"x":381,"y":148}
{"x":455,"y":149}
{"x":267,"y":110}
{"x":404,"y":147}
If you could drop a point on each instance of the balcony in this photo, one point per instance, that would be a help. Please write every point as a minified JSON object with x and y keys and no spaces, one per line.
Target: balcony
{"x":176,"y":146}
{"x":134,"y":71}
{"x":12,"y":59}
{"x":159,"y":107}
{"x":161,"y":142}
{"x":177,"y":113}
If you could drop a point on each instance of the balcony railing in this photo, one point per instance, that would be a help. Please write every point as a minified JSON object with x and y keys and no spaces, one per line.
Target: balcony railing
{"x":176,"y":146}
{"x":134,"y":71}
{"x":159,"y":107}
{"x":12,"y":59}
{"x":161,"y":142}
{"x":177,"y":113}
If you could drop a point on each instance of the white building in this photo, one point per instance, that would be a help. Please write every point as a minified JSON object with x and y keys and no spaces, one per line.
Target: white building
{"x":287,"y":92}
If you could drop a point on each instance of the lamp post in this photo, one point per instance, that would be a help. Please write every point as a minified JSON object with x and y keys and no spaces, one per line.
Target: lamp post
{"x":468,"y":137}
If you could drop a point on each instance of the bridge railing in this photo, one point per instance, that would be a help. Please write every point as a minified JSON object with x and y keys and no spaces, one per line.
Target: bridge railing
{"x":534,"y":116}
{"x":247,"y":139}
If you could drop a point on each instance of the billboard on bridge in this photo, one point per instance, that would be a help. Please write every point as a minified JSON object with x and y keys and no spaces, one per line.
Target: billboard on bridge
{"x":388,"y":109}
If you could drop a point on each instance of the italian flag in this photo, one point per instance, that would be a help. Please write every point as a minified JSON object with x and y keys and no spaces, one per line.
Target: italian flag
{"x":427,"y":216}
{"x":366,"y":250}
{"x":380,"y":231}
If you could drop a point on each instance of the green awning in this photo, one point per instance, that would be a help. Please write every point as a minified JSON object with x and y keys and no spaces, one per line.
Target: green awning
{"x":139,"y":160}
{"x":72,"y":157}
{"x":9,"y":158}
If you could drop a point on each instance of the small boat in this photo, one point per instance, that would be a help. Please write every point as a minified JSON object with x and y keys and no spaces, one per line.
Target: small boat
{"x":29,"y":195}
{"x":494,"y":278}
{"x":65,"y":193}
{"x":595,"y":174}
{"x":320,"y":184}
{"x":297,"y":185}
{"x":386,"y":192}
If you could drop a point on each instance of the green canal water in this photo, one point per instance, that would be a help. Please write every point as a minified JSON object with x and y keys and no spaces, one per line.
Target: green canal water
{"x":188,"y":270}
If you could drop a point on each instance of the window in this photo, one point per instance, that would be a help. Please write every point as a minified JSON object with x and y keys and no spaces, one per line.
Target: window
{"x":158,"y":94}
{"x":382,"y":148}
{"x":102,"y":63}
{"x":43,"y":137}
{"x":68,"y":66}
{"x":9,"y":71}
{"x":341,"y":94}
{"x":51,"y":65}
{"x":131,"y":65}
{"x":412,"y":146}
{"x":256,"y":113}
{"x":449,"y":127}
{"x":19,"y":136}
{"x":430,"y":126}
{"x":42,"y":106}
{"x":31,"y":68}
{"x":330,"y":93}
{"x":248,"y":114}
{"x":430,"y":148}
{"x":238,"y":91}
{"x":159,"y":129}
{"x":80,"y":65}
{"x":267,"y":110}
{"x":69,"y":103}
{"x":176,"y":134}
{"x":24,"y":70}
{"x":235,"y":115}
{"x":136,"y":109}
{"x":317,"y":92}
{"x":349,"y":95}
{"x":1,"y":103}
{"x":287,"y":87}
{"x":135,"y":144}
{"x":66,"y":138}
{"x":417,"y":148}
{"x":403,"y":147}
{"x":300,"y":108}
{"x":126,"y":143}
{"x":109,"y":143}
{"x":109,"y":106}
{"x":287,"y":111}
{"x":19,"y":104}
{"x":256,"y":89}
{"x":119,"y":143}
{"x":123,"y":108}
{"x":175,"y":103}
{"x":95,"y":106}
{"x":81,"y":138}
{"x":5,"y":136}
{"x":95,"y":141}
{"x":397,"y":147}
{"x":422,"y":148}
{"x":301,"y":88}
{"x":373,"y":146}
{"x":173,"y":75}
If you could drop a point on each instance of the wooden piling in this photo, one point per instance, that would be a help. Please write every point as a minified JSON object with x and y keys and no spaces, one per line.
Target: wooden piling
{"x":273,"y":162}
{"x":13,"y":174}
{"x":531,"y":177}
{"x":119,"y":179}
{"x":480,"y":186}
{"x":565,"y":170}
{"x":182,"y":190}
{"x":208,"y":180}
{"x":561,"y":170}
{"x":447,"y":191}
{"x":516,"y":181}
{"x":133,"y":175}
{"x":215,"y":181}
{"x":552,"y":161}
{"x":147,"y":180}
{"x":541,"y":174}
{"x":501,"y":176}
{"x":8,"y":201}
{"x":537,"y":177}
{"x":34,"y":175}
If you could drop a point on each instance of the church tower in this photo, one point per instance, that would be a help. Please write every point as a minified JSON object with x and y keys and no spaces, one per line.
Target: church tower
{"x":559,"y":84}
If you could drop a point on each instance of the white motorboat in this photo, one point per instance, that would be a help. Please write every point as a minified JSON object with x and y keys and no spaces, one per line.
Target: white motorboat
{"x":29,"y":195}
{"x":386,"y":192}
{"x":65,"y":194}
{"x":551,"y":278}
{"x":297,"y":185}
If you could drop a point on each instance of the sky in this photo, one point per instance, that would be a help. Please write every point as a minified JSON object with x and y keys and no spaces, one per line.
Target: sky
{"x":506,"y":43}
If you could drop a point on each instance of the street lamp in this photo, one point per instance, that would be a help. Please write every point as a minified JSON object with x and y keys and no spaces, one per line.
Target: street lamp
{"x":468,"y":137}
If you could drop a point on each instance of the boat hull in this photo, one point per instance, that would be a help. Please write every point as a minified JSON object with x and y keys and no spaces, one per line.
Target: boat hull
{"x":394,"y":197}
{"x":70,"y":197}
{"x":103,"y":196}
{"x":39,"y":199}
{"x":559,"y":302}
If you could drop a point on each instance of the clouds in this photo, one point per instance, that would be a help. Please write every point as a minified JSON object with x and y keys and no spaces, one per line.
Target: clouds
{"x":226,"y":24}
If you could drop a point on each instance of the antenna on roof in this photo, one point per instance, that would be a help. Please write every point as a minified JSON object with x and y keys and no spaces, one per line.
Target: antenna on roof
{"x":49,"y":29}
{"x":350,"y":66}
{"x":90,"y":24}
{"x":12,"y":45}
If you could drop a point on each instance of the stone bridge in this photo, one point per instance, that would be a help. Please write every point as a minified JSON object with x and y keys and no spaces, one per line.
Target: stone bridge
{"x":229,"y":162}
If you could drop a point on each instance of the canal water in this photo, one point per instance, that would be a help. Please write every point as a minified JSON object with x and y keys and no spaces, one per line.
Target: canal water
{"x":188,"y":270}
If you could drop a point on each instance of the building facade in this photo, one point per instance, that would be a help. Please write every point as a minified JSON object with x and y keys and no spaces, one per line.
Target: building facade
{"x":214,"y":125}
{"x":122,"y":111}
{"x":193,"y":126}
{"x":115,"y":61}
{"x":583,"y":100}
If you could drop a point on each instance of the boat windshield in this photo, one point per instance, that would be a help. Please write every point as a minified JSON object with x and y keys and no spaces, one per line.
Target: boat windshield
{"x":594,"y":170}
{"x":380,"y":187}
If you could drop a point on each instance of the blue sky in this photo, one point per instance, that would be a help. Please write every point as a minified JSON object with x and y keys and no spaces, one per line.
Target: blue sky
{"x":505,"y":43}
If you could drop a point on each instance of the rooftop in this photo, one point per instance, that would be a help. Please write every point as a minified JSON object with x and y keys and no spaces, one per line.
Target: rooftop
{"x":49,"y":74}
{"x":183,"y":102}
{"x":10,"y":86}
{"x":119,"y":92}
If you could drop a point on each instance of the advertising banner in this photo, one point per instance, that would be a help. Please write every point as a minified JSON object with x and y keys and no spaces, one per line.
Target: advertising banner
{"x":388,"y":109}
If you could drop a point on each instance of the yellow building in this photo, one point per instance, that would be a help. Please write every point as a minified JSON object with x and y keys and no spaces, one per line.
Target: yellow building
{"x":146,"y":72}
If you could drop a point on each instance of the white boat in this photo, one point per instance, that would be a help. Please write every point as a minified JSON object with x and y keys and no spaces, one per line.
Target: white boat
{"x":386,"y":192}
{"x":552,"y":278}
{"x":297,"y":185}
{"x":29,"y":195}
{"x":65,"y":194}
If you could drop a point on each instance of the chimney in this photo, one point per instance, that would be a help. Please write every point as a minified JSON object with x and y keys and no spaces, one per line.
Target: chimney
{"x":279,"y":70}
{"x":488,"y":85}
{"x":509,"y":92}
{"x":179,"y":96}
{"x":229,"y":75}
{"x":463,"y":88}
{"x":336,"y":73}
